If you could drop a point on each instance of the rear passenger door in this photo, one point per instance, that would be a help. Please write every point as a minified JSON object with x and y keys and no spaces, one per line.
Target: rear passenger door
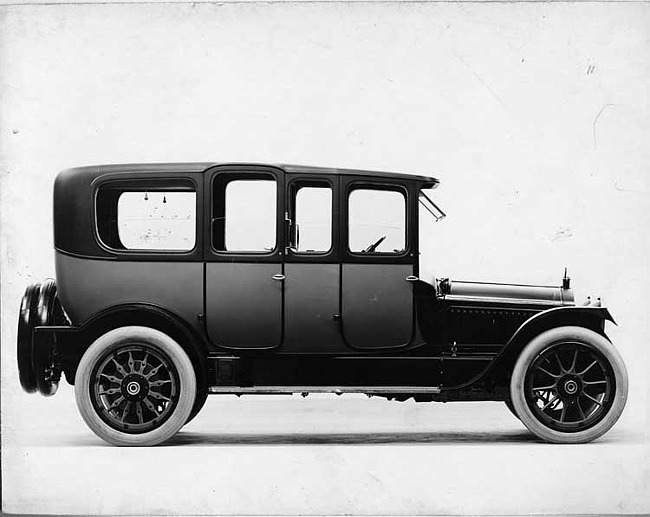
{"x":378,"y":264}
{"x":244,"y":260}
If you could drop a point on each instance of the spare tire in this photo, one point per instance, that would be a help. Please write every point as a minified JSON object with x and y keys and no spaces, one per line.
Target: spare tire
{"x":47,"y":370}
{"x":27,"y":320}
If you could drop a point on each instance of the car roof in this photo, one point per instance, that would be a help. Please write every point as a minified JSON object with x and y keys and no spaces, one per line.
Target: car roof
{"x":203,"y":166}
{"x":306,"y":169}
{"x":74,"y":199}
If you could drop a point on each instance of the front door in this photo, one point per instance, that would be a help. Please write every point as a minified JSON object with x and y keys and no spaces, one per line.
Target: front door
{"x":378,"y":265}
{"x":244,"y":264}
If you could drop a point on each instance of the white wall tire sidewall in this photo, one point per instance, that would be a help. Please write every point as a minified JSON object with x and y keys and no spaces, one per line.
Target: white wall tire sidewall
{"x":113,"y":340}
{"x":536,"y":346}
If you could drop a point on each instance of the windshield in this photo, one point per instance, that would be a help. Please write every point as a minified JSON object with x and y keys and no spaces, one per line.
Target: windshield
{"x":431,"y":207}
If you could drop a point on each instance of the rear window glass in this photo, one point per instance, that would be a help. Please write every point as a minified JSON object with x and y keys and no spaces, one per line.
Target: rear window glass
{"x":157,"y":220}
{"x":147,"y":220}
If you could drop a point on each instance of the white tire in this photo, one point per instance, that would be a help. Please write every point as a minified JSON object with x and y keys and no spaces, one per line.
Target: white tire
{"x":569,"y":385}
{"x":135,"y":386}
{"x":511,"y":408}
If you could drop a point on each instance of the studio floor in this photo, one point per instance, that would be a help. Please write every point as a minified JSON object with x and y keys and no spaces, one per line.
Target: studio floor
{"x":320,"y":455}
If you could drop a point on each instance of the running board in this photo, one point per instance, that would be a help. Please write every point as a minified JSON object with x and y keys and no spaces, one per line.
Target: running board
{"x":338,"y":390}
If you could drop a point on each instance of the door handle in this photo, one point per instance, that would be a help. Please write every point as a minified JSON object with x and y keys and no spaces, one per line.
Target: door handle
{"x":411,"y":278}
{"x":278,"y":277}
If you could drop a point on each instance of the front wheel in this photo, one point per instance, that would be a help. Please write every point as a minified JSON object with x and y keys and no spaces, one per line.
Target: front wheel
{"x":511,"y":408}
{"x":569,"y":385}
{"x":135,"y":386}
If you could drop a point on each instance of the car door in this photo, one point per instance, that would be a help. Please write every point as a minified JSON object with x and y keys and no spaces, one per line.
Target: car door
{"x":244,"y":259}
{"x":312,"y":268}
{"x":378,"y":264}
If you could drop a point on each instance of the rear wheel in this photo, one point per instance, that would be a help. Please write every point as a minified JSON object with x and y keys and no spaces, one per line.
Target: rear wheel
{"x":569,"y":385}
{"x":199,"y":402}
{"x":135,"y":386}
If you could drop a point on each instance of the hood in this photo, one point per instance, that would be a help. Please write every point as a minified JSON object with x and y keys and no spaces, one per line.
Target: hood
{"x":505,"y":293}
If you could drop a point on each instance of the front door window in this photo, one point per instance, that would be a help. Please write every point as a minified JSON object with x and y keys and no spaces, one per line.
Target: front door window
{"x":377,"y":221}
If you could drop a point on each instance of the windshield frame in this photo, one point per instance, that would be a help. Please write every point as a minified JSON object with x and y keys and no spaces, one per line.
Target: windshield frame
{"x":431,"y":207}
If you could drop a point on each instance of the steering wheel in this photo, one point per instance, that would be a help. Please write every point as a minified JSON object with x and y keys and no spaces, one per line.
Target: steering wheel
{"x":374,"y":245}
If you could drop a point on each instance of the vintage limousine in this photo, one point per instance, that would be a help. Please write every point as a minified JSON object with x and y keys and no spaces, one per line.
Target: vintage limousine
{"x":176,"y":281}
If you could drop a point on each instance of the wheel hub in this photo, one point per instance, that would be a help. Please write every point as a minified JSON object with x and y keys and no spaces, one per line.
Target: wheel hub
{"x":569,"y":386}
{"x":134,"y":387}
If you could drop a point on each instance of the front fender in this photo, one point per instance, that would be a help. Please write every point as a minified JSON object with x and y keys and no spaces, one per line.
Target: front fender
{"x":593,"y":318}
{"x":590,"y":317}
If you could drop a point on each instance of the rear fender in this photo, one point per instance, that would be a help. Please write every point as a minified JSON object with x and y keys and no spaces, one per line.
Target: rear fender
{"x":75,"y":341}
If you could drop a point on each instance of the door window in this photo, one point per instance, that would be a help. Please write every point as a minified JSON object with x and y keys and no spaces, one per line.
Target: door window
{"x":313,"y":220}
{"x":377,"y":221}
{"x":246,"y":218}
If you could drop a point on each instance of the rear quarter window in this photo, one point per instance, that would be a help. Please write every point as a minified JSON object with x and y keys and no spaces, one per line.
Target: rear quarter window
{"x":157,"y":220}
{"x":147,"y":220}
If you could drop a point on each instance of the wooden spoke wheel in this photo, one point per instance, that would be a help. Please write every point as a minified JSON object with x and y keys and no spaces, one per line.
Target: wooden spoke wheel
{"x":569,"y":385}
{"x":135,"y":386}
